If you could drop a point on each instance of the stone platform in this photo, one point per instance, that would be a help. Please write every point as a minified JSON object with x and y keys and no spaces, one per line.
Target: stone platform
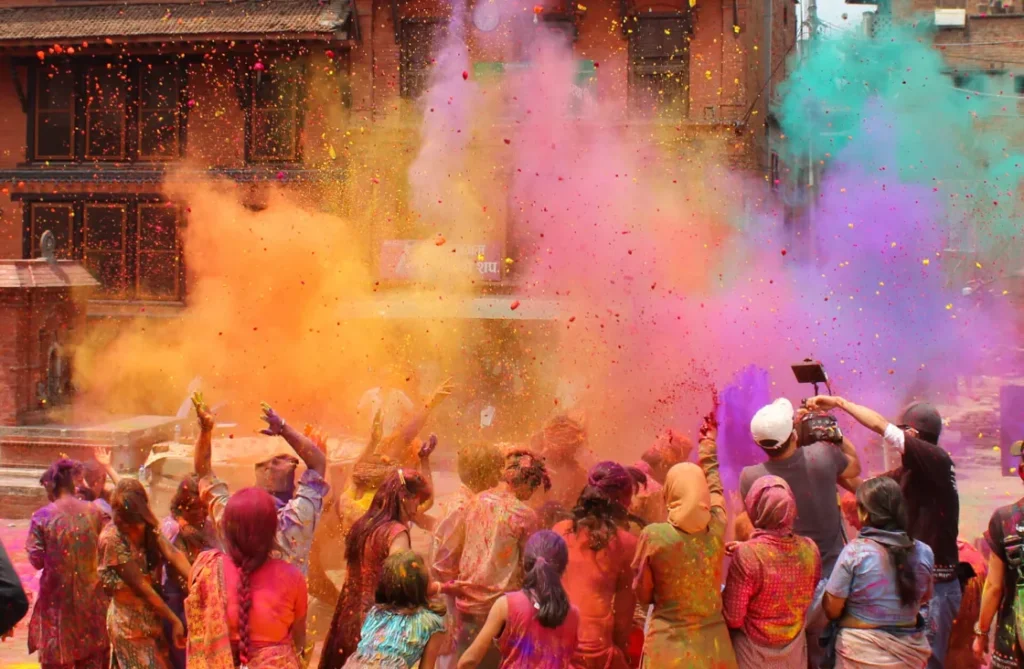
{"x":27,"y":450}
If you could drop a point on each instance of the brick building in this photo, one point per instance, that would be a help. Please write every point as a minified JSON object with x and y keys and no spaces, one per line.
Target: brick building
{"x":99,"y":101}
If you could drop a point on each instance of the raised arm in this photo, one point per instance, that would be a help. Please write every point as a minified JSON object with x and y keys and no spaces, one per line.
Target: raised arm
{"x":869,"y":418}
{"x":304,"y":447}
{"x":102,"y":456}
{"x":202,"y":457}
{"x":415,"y":424}
{"x":707,"y":456}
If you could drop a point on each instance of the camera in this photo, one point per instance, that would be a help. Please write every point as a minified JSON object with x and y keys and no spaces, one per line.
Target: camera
{"x":815,"y":426}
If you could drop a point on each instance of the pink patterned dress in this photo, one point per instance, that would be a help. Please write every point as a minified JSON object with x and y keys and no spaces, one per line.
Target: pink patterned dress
{"x":68,"y":625}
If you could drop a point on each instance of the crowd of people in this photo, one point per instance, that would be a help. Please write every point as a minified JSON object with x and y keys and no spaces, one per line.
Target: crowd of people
{"x":536,"y":561}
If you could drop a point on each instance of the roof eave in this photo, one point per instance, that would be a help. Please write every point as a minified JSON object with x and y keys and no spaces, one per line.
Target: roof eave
{"x":337,"y":37}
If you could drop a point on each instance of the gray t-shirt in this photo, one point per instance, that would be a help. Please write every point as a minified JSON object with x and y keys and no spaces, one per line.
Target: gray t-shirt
{"x":811,"y":472}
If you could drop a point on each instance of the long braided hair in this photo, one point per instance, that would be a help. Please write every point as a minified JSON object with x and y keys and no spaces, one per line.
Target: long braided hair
{"x":250,"y":524}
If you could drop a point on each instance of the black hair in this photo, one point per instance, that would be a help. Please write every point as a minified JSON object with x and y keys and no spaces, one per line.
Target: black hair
{"x":60,"y":477}
{"x":186,"y":497}
{"x":544,"y":560}
{"x":882,"y":502}
{"x":385,"y":507}
{"x":404,"y":583}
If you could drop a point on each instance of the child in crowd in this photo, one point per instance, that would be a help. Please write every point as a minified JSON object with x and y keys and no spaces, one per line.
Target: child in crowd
{"x":536,"y":627}
{"x":403,"y":628}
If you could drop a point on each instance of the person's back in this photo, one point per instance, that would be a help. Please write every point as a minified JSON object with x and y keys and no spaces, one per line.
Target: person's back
{"x":687,"y":570}
{"x":69,"y":620}
{"x":811,"y":473}
{"x":867,"y":577}
{"x":527,"y":644}
{"x":278,"y":593}
{"x":774,"y":579}
{"x":490,"y":561}
{"x":599,"y":584}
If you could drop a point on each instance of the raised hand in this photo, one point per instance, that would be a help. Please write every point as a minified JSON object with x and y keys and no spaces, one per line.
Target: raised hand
{"x":442,"y":393}
{"x":102,"y":455}
{"x":275,"y":424}
{"x":428,"y":446}
{"x":203,"y":413}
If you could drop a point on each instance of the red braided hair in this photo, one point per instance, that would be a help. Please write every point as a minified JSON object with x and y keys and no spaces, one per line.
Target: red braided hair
{"x":250,"y":525}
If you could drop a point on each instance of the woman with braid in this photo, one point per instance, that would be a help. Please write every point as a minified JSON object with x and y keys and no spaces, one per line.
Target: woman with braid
{"x":878,"y":586}
{"x":244,"y":607}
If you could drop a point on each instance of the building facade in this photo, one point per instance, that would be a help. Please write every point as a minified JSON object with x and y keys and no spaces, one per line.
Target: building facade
{"x":99,"y":102}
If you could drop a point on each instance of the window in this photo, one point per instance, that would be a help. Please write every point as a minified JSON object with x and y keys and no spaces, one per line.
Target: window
{"x":416,"y":55}
{"x":274,"y":112}
{"x":105,"y":92}
{"x":961,"y":80}
{"x":55,"y":114}
{"x":133,"y":248}
{"x":108,"y":111}
{"x":58,"y":219}
{"x":160,"y":115}
{"x":1018,"y":84}
{"x":659,"y":62}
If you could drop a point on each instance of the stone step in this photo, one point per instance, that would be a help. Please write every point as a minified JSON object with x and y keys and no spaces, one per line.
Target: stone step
{"x":20,"y":492}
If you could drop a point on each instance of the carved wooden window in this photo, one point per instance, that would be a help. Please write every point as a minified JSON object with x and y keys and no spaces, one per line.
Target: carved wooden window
{"x":158,"y":252}
{"x":416,"y":50}
{"x":159,"y":111}
{"x":54,"y":114}
{"x":274,"y":114}
{"x":59,"y":219}
{"x":659,"y":63}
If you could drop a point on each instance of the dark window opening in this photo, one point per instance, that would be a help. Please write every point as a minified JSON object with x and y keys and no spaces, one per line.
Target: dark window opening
{"x":659,"y":63}
{"x":277,"y":90}
{"x":55,"y":114}
{"x":160,"y":116}
{"x":132,"y":248}
{"x":108,"y":112}
{"x":417,"y":47}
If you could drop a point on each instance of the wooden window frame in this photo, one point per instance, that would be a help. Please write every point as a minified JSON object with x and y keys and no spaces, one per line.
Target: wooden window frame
{"x":639,"y":67}
{"x":87,"y":250}
{"x":133,"y":205}
{"x":176,"y":252}
{"x":297,"y":112}
{"x":177,"y":110}
{"x":38,"y":75}
{"x":132,"y":133}
{"x":88,"y":75}
{"x":32,"y":243}
{"x":405,"y":59}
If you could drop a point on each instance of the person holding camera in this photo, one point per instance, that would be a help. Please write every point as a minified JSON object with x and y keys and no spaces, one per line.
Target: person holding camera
{"x":812,"y":472}
{"x":928,"y":480}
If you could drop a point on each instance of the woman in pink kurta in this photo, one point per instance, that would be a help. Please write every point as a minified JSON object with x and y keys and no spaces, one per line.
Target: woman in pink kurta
{"x":599,"y":578}
{"x":536,"y":627}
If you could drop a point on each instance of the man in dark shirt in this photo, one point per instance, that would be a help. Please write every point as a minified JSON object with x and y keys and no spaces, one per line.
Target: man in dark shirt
{"x":13,"y":602}
{"x":812,"y":473}
{"x":928,"y":480}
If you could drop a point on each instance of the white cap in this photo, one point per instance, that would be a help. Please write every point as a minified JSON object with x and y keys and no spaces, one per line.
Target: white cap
{"x":773,"y":422}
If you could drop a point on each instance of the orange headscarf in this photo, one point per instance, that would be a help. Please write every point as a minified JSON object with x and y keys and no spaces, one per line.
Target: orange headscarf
{"x":688,"y":498}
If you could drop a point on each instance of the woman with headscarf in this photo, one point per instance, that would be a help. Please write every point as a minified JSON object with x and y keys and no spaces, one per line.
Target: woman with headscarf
{"x":878,"y":586}
{"x":599,"y":579}
{"x":679,"y":568}
{"x":771,"y":582}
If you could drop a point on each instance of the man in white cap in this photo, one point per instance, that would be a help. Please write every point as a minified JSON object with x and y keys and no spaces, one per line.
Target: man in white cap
{"x":812,"y":472}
